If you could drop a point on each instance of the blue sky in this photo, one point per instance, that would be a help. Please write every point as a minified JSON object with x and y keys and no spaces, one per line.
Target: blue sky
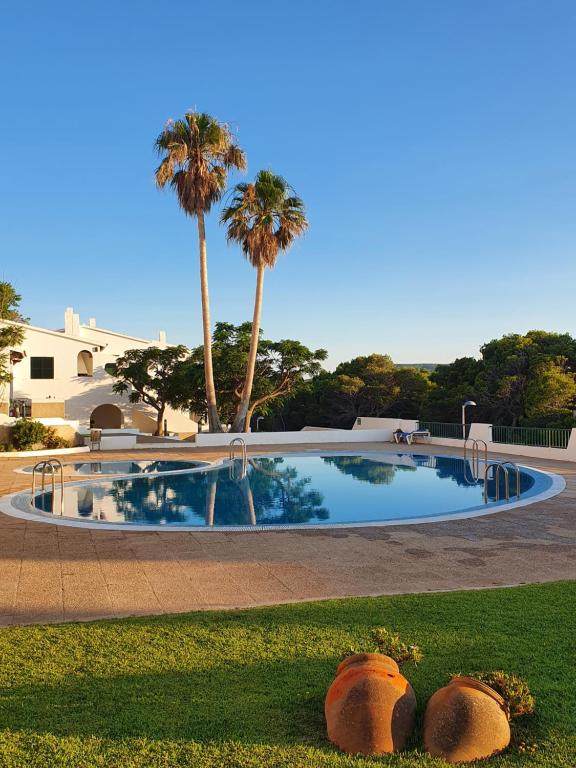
{"x":434,"y":144}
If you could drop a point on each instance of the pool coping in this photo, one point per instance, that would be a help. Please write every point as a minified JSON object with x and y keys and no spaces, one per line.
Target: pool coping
{"x":203,"y":465}
{"x":18,"y":510}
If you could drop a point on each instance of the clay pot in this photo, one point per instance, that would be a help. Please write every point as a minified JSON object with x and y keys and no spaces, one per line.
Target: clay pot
{"x":370,"y":706}
{"x":464,"y":721}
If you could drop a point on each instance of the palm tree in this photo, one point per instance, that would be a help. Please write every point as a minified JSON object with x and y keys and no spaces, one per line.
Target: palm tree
{"x":197,"y":153}
{"x":264,"y":218}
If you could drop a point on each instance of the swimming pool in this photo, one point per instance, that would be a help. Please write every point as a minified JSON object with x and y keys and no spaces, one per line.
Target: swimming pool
{"x":292,"y":490}
{"x":129,"y":467}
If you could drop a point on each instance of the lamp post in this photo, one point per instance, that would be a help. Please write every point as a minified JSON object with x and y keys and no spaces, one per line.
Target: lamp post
{"x":258,"y":420}
{"x":464,"y":406}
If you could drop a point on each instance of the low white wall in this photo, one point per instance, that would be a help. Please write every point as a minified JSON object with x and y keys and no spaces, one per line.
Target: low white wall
{"x":115,"y":442}
{"x":371,"y":422}
{"x":45,"y":452}
{"x":380,"y":430}
{"x":308,"y":437}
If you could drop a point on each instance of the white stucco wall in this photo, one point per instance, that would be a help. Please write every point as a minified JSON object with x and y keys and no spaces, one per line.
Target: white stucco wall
{"x":478,"y":431}
{"x":82,"y":394}
{"x":304,"y":437}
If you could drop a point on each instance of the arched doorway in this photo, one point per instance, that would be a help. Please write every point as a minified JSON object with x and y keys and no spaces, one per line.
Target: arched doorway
{"x":85,"y":363}
{"x":106,"y":416}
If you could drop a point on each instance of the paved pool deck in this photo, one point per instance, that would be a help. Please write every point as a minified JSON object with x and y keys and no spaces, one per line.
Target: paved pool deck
{"x":51,"y":573}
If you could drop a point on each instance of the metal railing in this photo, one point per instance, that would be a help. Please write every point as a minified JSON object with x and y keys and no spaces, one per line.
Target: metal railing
{"x":497,"y":467}
{"x":540,"y":437}
{"x":442,"y":429}
{"x":475,"y":462}
{"x":49,"y":465}
{"x":232,"y":457}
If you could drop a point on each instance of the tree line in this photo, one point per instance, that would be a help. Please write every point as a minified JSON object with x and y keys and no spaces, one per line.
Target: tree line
{"x":519,"y":380}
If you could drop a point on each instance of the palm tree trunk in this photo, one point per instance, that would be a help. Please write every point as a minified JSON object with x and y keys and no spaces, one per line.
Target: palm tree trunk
{"x":213,"y":419}
{"x":248,"y":419}
{"x":239,"y":424}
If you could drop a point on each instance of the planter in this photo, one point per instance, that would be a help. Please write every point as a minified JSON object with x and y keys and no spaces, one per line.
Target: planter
{"x":370,"y":706}
{"x":465,"y":720}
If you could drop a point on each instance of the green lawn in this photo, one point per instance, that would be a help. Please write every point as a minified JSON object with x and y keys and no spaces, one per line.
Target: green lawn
{"x":247,"y":688}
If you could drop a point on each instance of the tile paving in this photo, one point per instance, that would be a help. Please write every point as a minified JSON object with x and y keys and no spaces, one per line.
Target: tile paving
{"x":51,"y":573}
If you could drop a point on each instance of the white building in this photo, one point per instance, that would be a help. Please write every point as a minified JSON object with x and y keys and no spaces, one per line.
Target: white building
{"x":62,"y":374}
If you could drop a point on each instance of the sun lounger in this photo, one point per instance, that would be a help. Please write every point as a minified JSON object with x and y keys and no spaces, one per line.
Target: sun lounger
{"x":418,"y":433}
{"x":410,"y":437}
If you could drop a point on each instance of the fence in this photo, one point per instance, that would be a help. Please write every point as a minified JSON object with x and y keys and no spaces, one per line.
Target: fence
{"x":440,"y":429}
{"x":542,"y":437}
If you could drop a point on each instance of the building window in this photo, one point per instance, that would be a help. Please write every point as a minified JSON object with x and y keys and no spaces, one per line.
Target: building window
{"x":41,"y":367}
{"x":85,"y":363}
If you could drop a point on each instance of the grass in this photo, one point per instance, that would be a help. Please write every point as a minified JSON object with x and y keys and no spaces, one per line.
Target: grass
{"x":246,"y":689}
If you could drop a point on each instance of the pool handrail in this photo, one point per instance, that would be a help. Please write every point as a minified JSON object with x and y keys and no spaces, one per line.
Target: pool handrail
{"x":503,"y":466}
{"x":232,"y":456}
{"x":49,"y":464}
{"x":476,"y":455}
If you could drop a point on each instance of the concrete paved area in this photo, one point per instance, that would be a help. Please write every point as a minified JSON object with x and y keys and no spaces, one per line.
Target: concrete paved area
{"x":51,"y":573}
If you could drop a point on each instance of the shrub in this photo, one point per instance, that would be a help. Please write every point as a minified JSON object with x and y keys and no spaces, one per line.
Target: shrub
{"x":52,"y":440}
{"x":390,"y":644}
{"x":517,"y":697}
{"x":25,"y":434}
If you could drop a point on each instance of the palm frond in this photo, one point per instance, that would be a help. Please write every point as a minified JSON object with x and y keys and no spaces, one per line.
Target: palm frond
{"x":197,"y":153}
{"x":264,"y":218}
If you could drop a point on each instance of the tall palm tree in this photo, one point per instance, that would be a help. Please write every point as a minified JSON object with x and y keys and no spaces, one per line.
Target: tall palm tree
{"x":197,"y":153}
{"x":264,"y":217}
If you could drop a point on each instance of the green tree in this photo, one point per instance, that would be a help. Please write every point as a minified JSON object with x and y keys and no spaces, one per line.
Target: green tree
{"x":365,"y":386}
{"x":372,"y":386}
{"x":150,"y":376}
{"x":550,"y":395}
{"x":510,"y":387}
{"x":280,"y":368}
{"x":453,"y":384}
{"x":10,"y":335}
{"x":197,"y":153}
{"x":265,"y":218}
{"x":519,"y":380}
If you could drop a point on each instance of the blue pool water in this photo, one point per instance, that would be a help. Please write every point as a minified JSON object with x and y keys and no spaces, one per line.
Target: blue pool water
{"x":291,"y":490}
{"x":129,"y":467}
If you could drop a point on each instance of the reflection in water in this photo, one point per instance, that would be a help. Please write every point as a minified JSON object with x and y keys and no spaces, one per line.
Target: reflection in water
{"x":383,"y":470}
{"x":156,"y":500}
{"x":272,"y":492}
{"x":281,"y":497}
{"x":366,"y":470}
{"x":286,"y":490}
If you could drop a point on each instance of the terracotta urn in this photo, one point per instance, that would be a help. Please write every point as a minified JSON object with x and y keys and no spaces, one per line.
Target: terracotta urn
{"x":465,"y":720}
{"x":370,"y":706}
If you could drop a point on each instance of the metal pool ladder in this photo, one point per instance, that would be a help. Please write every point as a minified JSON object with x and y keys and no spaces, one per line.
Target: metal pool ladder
{"x":50,"y":466}
{"x":497,"y":467}
{"x":232,"y":456}
{"x":476,"y":455}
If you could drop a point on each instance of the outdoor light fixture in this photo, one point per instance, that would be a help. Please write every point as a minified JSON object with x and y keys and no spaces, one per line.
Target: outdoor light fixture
{"x":464,"y":406}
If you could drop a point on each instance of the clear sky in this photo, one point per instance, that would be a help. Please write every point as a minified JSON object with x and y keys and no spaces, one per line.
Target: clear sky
{"x":434,"y":144}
